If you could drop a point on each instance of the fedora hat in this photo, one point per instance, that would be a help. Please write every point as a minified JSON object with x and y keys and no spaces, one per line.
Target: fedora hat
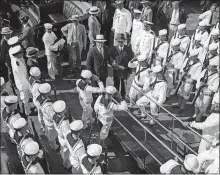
{"x":144,"y":1}
{"x":100,"y":38}
{"x":94,"y":10}
{"x":6,"y":31}
{"x":31,"y":51}
{"x":120,"y":37}
{"x":74,"y":18}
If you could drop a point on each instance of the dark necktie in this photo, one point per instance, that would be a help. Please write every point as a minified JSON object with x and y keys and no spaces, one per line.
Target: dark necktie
{"x":17,"y":63}
{"x":210,"y":21}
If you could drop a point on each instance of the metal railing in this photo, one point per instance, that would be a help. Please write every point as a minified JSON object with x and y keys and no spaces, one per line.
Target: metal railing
{"x":171,"y":114}
{"x":151,"y":133}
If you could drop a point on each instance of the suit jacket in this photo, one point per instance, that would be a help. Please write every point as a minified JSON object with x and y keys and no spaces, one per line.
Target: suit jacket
{"x":147,"y":14}
{"x":27,"y":37}
{"x":68,"y":31}
{"x":94,"y":27}
{"x":182,"y":15}
{"x":96,"y":63}
{"x":4,"y":56}
{"x":122,"y":59}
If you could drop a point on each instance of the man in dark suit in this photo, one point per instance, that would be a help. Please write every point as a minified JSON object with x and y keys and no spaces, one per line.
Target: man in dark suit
{"x":97,"y":59}
{"x":119,"y":56}
{"x":27,"y":33}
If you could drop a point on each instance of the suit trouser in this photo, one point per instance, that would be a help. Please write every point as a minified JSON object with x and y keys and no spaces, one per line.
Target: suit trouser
{"x":24,"y":96}
{"x":74,"y":58}
{"x":117,"y":82}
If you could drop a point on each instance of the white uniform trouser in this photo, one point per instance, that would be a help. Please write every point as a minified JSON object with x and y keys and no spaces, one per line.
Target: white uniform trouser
{"x":135,"y":93}
{"x":51,"y":134}
{"x":51,"y":66}
{"x":87,"y":112}
{"x":64,"y":152}
{"x":144,"y":101}
{"x":116,"y":42}
{"x":24,"y":96}
{"x":203,"y":146}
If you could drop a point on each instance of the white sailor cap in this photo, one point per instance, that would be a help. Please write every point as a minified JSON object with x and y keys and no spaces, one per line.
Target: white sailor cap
{"x":2,"y":81}
{"x":157,"y":68}
{"x":44,"y":88}
{"x":15,"y":49}
{"x":141,"y":58}
{"x":19,"y":123}
{"x":94,"y":150}
{"x":216,"y":98}
{"x":13,"y":118}
{"x":176,"y":42}
{"x":181,"y":26}
{"x":31,"y":148}
{"x":137,"y":11}
{"x":35,"y":71}
{"x":76,"y":125}
{"x":48,"y":26}
{"x":110,"y":90}
{"x":163,"y":32}
{"x":213,"y":46}
{"x":13,"y":40}
{"x":194,"y":52}
{"x":215,"y":32}
{"x":86,"y":74}
{"x":148,"y":22}
{"x":191,"y":162}
{"x":214,"y":62}
{"x":59,"y":106}
{"x":202,"y":24}
{"x":198,"y":37}
{"x":11,"y":99}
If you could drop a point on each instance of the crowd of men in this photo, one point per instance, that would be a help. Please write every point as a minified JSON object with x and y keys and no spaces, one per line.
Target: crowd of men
{"x":193,"y":62}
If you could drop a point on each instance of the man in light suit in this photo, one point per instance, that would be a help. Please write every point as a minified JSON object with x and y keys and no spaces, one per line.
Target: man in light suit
{"x":147,"y":13}
{"x":27,"y":33}
{"x":72,"y":32}
{"x":94,"y":25}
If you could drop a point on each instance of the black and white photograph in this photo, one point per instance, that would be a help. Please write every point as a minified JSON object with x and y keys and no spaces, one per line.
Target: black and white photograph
{"x":109,"y":86}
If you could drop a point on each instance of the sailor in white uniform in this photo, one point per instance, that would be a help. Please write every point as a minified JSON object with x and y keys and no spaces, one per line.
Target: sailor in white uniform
{"x":184,"y":38}
{"x":136,"y":29}
{"x":86,"y":91}
{"x":6,"y":89}
{"x":155,"y":88}
{"x":48,"y":113}
{"x":210,"y":127}
{"x":196,"y":45}
{"x":20,"y":74}
{"x":49,"y":39}
{"x":161,"y":48}
{"x":122,"y":21}
{"x":145,"y":44}
{"x":75,"y":145}
{"x":190,"y":165}
{"x":88,"y":162}
{"x":208,"y":81}
{"x":142,"y":73}
{"x":213,"y":38}
{"x":104,"y":108}
{"x":30,"y":158}
{"x":173,"y":64}
{"x":190,"y":71}
{"x":35,"y":81}
{"x":202,"y":31}
{"x":61,"y":125}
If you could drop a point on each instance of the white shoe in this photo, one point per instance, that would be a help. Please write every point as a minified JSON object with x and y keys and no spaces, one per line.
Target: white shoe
{"x":143,"y":115}
{"x":152,"y":122}
{"x":194,"y":116}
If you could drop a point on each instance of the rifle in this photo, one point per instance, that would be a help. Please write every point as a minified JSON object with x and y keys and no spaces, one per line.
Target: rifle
{"x":184,"y":74}
{"x":150,"y":60}
{"x":206,"y":63}
{"x":55,"y":92}
{"x":197,"y":95}
{"x":167,"y":56}
{"x":105,"y":162}
{"x":46,"y":154}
